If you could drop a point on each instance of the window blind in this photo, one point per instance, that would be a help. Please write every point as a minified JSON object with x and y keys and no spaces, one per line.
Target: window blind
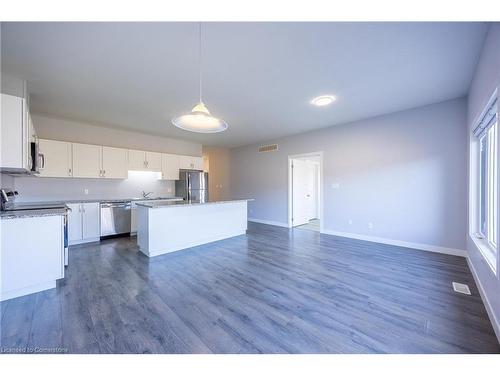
{"x":488,"y":119}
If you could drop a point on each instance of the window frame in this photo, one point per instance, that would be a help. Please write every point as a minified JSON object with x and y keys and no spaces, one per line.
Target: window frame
{"x":488,"y":187}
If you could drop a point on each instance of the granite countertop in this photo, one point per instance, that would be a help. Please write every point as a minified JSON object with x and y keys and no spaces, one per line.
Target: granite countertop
{"x":69,"y":201}
{"x":32,"y":213}
{"x":187,"y":203}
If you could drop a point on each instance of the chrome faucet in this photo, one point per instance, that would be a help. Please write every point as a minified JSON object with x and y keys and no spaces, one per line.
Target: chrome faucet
{"x":146,"y":195}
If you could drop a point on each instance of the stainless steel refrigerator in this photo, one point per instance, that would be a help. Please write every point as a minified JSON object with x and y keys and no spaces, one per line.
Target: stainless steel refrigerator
{"x":192,"y":185}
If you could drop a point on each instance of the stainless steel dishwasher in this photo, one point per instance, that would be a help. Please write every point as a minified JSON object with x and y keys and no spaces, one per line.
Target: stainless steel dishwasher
{"x":115,"y":218}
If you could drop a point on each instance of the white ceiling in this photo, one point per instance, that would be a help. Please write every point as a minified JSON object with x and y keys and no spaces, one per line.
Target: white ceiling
{"x":259,"y":77}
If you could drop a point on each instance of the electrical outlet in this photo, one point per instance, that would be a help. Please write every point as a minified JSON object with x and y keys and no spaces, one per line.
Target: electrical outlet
{"x":335,"y":185}
{"x":169,"y":190}
{"x":86,"y":191}
{"x":370,"y":225}
{"x":350,"y":221}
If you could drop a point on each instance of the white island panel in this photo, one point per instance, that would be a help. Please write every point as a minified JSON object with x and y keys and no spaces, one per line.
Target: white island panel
{"x":164,"y":229}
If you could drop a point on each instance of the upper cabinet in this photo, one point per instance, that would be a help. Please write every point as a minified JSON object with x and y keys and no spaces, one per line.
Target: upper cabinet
{"x":136,"y":160}
{"x":190,"y":162}
{"x":114,"y":162}
{"x":15,"y":143}
{"x":144,"y":161}
{"x":55,"y":158}
{"x":170,"y":167}
{"x":153,"y":161}
{"x":65,"y":159}
{"x":86,"y":160}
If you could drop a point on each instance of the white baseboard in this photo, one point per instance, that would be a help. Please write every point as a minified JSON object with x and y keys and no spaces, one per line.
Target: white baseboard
{"x":5,"y":295}
{"x":388,"y":241}
{"x":269,"y":222}
{"x":493,"y":319}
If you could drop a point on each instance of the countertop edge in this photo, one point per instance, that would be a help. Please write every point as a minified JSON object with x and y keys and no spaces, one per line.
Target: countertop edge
{"x":186,"y":204}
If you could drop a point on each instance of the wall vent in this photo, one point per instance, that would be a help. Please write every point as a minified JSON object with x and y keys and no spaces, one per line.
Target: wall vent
{"x":268,"y":148}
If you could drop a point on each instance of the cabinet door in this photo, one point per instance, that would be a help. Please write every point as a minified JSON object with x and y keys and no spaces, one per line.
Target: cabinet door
{"x":197,"y":163}
{"x":91,"y":221}
{"x":14,"y":140}
{"x":28,"y":261}
{"x":74,"y":222}
{"x":86,"y":160}
{"x":136,"y":160}
{"x":114,"y":162}
{"x":55,"y":159}
{"x":170,"y":167}
{"x":184,"y":162}
{"x":153,"y":161}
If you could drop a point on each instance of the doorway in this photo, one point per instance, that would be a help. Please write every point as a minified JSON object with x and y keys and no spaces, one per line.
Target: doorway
{"x":305,"y":195}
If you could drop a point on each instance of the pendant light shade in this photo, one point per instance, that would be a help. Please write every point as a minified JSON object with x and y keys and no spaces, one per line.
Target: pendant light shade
{"x":200,"y":120}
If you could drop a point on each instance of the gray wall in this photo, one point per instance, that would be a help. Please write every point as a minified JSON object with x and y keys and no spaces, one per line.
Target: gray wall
{"x":75,"y":131}
{"x":49,"y":189}
{"x":403,"y":172}
{"x":486,"y":80}
{"x":42,"y":189}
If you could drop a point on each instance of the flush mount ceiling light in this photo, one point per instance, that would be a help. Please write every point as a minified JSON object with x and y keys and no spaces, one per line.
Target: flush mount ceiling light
{"x":323,"y":100}
{"x":200,"y":120}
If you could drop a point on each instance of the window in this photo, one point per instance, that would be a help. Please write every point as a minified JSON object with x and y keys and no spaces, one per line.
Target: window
{"x":487,"y":214}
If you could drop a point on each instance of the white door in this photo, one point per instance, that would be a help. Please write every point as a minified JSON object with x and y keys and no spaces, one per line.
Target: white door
{"x":311,"y":194}
{"x":91,"y":227}
{"x":170,"y":167}
{"x":136,"y":160}
{"x":86,"y":160}
{"x":55,"y":158}
{"x":75,"y":222}
{"x":114,"y":162}
{"x":153,"y":161}
{"x":300,"y":189}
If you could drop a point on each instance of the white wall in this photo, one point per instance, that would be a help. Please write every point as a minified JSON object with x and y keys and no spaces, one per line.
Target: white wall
{"x":43,"y":189}
{"x":403,"y":172}
{"x":486,"y":80}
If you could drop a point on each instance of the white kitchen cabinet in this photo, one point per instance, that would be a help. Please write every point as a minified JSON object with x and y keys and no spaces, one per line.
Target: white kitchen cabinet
{"x":190,"y":162}
{"x":153,"y":161}
{"x":144,"y":161}
{"x":84,"y":223}
{"x":15,"y":142}
{"x":55,"y":158}
{"x":86,"y":160}
{"x":136,"y":160}
{"x":170,"y":167}
{"x":74,"y":222}
{"x":31,"y":263}
{"x":114,"y":162}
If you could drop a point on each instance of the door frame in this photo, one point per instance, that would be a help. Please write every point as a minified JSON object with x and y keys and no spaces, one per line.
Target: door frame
{"x":320,"y":187}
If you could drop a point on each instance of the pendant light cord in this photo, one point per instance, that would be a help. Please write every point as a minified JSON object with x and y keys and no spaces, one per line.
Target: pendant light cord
{"x":199,"y":56}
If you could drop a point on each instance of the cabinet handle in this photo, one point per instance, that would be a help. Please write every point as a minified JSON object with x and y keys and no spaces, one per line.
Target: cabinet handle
{"x":103,"y":172}
{"x":69,"y":172}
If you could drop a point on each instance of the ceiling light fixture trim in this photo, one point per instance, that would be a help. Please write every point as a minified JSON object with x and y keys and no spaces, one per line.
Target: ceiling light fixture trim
{"x":323,"y":100}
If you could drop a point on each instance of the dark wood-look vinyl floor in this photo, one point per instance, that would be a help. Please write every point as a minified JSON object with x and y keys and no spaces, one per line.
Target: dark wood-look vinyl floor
{"x":272,"y":291}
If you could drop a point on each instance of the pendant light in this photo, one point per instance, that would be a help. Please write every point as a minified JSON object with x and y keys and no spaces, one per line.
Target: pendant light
{"x":200,"y":120}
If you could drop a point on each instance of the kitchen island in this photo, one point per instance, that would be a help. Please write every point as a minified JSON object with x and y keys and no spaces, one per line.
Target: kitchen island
{"x":164,"y":227}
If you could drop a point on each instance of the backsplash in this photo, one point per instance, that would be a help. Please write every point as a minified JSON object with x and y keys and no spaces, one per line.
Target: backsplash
{"x":48,"y":189}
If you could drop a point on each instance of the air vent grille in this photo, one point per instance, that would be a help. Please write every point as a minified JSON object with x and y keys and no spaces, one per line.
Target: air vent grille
{"x":268,"y":148}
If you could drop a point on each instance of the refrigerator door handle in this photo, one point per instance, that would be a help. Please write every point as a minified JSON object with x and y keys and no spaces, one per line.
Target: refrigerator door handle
{"x":188,"y":187}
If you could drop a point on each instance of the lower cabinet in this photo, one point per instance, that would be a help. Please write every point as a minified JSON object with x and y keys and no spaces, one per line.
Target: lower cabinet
{"x":32,"y":254}
{"x":84,"y":223}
